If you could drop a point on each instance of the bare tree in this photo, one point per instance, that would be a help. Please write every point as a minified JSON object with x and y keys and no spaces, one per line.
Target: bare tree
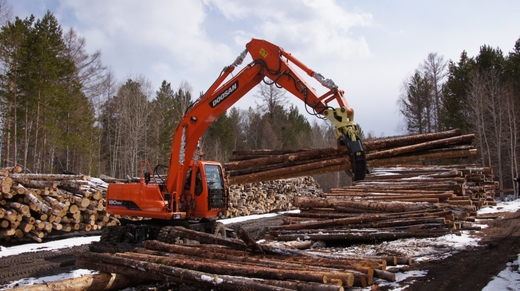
{"x":126,"y":122}
{"x":91,"y":73}
{"x":6,"y":12}
{"x":271,"y":97}
{"x":488,"y":112}
{"x":435,"y":69}
{"x":512,"y":126}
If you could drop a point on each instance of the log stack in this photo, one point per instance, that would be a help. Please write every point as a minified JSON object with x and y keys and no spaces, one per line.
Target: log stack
{"x":240,"y":264}
{"x":266,"y":165}
{"x":393,"y":203}
{"x":33,"y":206}
{"x":270,"y":196}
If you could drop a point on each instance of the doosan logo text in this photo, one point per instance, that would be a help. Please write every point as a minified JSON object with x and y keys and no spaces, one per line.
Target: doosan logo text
{"x":224,"y":95}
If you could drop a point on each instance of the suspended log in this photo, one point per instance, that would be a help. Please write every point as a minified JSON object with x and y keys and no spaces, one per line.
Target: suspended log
{"x":289,"y":172}
{"x":252,"y":154}
{"x":291,"y":157}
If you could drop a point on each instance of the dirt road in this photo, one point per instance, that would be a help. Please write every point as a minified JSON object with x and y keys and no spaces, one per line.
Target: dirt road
{"x":468,"y":270}
{"x":472,"y":269}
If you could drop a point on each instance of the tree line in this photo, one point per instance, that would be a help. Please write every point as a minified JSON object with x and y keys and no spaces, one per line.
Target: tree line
{"x":479,"y":95}
{"x":63,"y":110}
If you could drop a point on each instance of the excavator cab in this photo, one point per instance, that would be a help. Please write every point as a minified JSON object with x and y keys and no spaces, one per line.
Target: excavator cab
{"x":205,"y":194}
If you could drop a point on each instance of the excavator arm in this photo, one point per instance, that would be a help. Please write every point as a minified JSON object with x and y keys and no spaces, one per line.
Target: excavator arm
{"x":273,"y":62}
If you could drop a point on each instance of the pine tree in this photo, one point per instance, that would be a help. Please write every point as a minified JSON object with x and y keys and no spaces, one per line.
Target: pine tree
{"x":296,"y":134}
{"x":218,"y":140}
{"x":415,"y":102}
{"x":164,"y":122}
{"x":13,"y":40}
{"x":252,"y":129}
{"x":455,"y":92}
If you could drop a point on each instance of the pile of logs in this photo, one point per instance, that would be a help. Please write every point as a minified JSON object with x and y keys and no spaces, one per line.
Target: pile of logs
{"x":266,"y":165}
{"x":240,"y":264}
{"x":265,"y":197}
{"x":393,"y":203}
{"x":33,"y":206}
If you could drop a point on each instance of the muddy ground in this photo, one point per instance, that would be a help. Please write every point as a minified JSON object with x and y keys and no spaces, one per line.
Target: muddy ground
{"x":468,"y":270}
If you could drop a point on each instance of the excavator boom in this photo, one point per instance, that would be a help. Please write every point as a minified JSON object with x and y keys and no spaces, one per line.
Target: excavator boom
{"x":186,"y":191}
{"x":269,"y":61}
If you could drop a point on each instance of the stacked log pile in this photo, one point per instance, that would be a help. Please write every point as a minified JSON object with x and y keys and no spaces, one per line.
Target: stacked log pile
{"x":239,"y":264}
{"x":265,"y":197}
{"x":393,"y":203}
{"x":266,"y":165}
{"x":33,"y":206}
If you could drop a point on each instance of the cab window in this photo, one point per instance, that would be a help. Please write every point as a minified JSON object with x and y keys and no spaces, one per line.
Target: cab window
{"x":214,"y":177}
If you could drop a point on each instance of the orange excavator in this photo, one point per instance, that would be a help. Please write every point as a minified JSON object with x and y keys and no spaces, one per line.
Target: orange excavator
{"x":193,"y":193}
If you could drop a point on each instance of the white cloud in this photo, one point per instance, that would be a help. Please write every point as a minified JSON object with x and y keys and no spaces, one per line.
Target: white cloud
{"x":231,"y":9}
{"x":310,"y":27}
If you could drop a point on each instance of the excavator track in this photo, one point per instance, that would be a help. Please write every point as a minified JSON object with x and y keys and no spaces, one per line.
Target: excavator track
{"x":165,"y":236}
{"x":113,"y":234}
{"x":116,"y":238}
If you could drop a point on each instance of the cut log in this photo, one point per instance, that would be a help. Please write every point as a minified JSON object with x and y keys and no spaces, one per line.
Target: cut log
{"x":464,"y":139}
{"x":209,"y":279}
{"x":207,"y":238}
{"x":306,"y":202}
{"x":286,"y":158}
{"x":290,"y":172}
{"x":101,"y":282}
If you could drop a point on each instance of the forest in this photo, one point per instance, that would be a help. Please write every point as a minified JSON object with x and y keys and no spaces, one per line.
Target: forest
{"x":62,"y":109}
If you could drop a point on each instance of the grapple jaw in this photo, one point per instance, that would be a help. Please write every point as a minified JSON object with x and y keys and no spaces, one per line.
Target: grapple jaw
{"x":347,"y":133}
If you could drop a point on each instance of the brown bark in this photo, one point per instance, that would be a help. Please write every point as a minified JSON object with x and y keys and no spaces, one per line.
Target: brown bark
{"x":35,"y":212}
{"x":259,"y":261}
{"x":464,"y":139}
{"x":249,"y":241}
{"x":370,"y":145}
{"x":389,"y":276}
{"x":370,"y":219}
{"x":172,"y":266}
{"x":362,"y":236}
{"x":308,"y":202}
{"x":206,"y":238}
{"x":289,"y":172}
{"x":100,"y":282}
{"x":291,"y":157}
{"x":428,"y":156}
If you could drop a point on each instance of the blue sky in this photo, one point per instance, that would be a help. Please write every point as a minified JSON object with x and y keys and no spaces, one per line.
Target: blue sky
{"x":367,"y":47}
